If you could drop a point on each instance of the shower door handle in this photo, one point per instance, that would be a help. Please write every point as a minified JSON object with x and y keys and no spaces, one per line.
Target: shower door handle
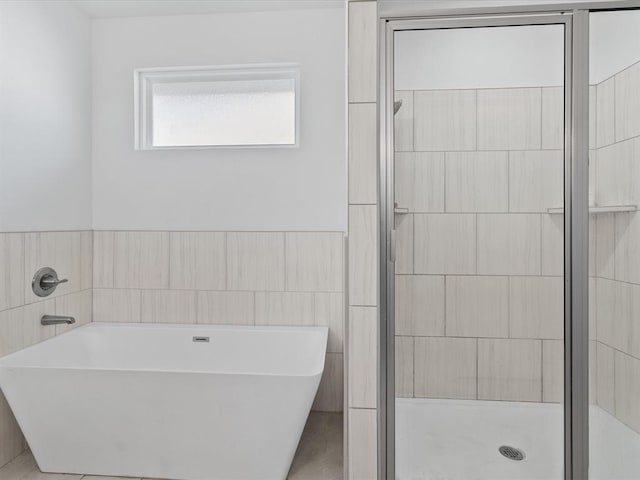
{"x":393,"y":245}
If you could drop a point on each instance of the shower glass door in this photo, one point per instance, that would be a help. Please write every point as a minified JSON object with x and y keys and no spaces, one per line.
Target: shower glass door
{"x":614,"y":293}
{"x":477,"y":173}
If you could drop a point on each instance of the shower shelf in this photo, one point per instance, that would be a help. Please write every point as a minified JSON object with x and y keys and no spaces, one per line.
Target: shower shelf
{"x":600,"y":209}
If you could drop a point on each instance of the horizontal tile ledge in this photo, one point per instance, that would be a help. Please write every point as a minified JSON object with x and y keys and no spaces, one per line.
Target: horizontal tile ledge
{"x":599,"y":209}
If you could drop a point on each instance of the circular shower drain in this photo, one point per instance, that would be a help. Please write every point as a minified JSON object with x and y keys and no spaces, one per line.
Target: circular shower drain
{"x":512,"y":453}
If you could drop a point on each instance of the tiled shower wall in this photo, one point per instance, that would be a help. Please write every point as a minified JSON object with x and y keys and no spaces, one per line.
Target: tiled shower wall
{"x":21,"y":255}
{"x":617,"y":268}
{"x":479,"y":287}
{"x":242,"y":278}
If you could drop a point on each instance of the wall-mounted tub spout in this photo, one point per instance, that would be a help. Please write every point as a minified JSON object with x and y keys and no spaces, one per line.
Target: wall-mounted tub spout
{"x":56,"y":320}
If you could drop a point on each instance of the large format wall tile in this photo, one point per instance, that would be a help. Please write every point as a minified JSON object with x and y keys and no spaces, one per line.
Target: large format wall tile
{"x":103,"y":251}
{"x":553,"y":371}
{"x":419,"y":181}
{"x":605,"y":116}
{"x":445,"y":367}
{"x":168,"y":306}
{"x":404,"y":366}
{"x":509,"y":244}
{"x":617,"y":167}
{"x":403,"y":122}
{"x":419,"y":305}
{"x":77,"y":305}
{"x":552,"y":118}
{"x":404,"y":242}
{"x":255,"y":261}
{"x":363,"y":322}
{"x":362,"y":441}
{"x":477,"y":306}
{"x":111,"y":305}
{"x":363,"y":153}
{"x":627,"y":253}
{"x":11,"y":331}
{"x":536,"y":307}
{"x":141,"y":260}
{"x":445,"y":243}
{"x":477,"y":182}
{"x":444,"y":120}
{"x":197,"y":260}
{"x":536,"y":180}
{"x":363,"y":255}
{"x":284,"y":308}
{"x":552,"y":249}
{"x":363,"y":51}
{"x":605,"y":246}
{"x":330,"y":396}
{"x":329,"y":311}
{"x":226,"y":308}
{"x":12,"y":274}
{"x":11,"y":437}
{"x":510,"y":369}
{"x":627,"y":381}
{"x":627,"y":103}
{"x":509,"y":119}
{"x":605,"y":377}
{"x":314,"y":261}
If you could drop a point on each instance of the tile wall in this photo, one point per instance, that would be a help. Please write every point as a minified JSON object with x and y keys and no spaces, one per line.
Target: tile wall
{"x":241,"y":278}
{"x":479,"y":288}
{"x":21,"y":255}
{"x":617,"y":236}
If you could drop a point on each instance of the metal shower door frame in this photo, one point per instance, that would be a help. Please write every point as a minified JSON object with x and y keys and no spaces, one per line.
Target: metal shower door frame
{"x":576,"y":221}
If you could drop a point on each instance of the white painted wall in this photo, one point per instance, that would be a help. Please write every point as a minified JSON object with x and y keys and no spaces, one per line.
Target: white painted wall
{"x":614,"y":42}
{"x":221,"y":189}
{"x":45,"y":116}
{"x":479,"y":58}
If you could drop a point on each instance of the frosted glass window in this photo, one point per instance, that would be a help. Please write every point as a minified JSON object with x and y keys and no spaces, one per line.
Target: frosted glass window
{"x":217,"y":107}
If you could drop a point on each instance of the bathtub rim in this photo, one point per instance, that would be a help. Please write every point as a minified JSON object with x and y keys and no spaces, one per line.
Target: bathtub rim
{"x":324,"y":330}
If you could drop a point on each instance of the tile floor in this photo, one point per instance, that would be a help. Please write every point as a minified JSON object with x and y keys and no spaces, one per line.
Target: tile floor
{"x":319,"y":456}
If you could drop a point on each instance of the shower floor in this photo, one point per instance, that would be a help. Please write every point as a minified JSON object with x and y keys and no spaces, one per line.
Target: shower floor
{"x":459,"y":440}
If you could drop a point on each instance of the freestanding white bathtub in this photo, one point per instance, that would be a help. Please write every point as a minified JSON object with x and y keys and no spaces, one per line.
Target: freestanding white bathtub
{"x":187,"y":402}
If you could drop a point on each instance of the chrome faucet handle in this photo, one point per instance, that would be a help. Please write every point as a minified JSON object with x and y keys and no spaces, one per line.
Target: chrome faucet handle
{"x":45,"y":281}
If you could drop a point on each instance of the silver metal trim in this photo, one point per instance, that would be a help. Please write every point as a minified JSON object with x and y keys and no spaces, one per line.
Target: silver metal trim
{"x":386,"y":360}
{"x":576,"y":230}
{"x":56,"y":320}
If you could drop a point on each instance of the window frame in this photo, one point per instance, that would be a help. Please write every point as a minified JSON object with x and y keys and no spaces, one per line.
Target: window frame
{"x":144,"y":78}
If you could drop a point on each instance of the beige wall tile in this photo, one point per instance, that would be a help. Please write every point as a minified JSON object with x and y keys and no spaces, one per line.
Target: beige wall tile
{"x":444,"y":120}
{"x":510,"y":369}
{"x":404,"y":244}
{"x":627,"y":381}
{"x":552,"y":250}
{"x":11,"y":328}
{"x":618,"y":307}
{"x":627,"y":103}
{"x":284,"y":308}
{"x":330,"y":396}
{"x":363,"y":255}
{"x":362,"y":361}
{"x":553,"y":371}
{"x":536,"y":307}
{"x":509,"y":119}
{"x":198,"y":260}
{"x":168,"y":306}
{"x":509,"y":244}
{"x":363,"y":444}
{"x":403,"y":122}
{"x":77,"y":305}
{"x":445,"y":367}
{"x":605,"y":245}
{"x":363,"y":153}
{"x":445,"y":244}
{"x":419,"y":181}
{"x":111,"y":305}
{"x":33,"y":331}
{"x":605,"y":121}
{"x":314,"y":261}
{"x":477,"y":182}
{"x":419,"y":305}
{"x":12,"y":274}
{"x":617,"y":166}
{"x":61,"y":251}
{"x":141,"y":260}
{"x":404,"y":366}
{"x":363,"y":51}
{"x":226,"y":308}
{"x":536,"y":180}
{"x":592,"y":116}
{"x":255,"y":261}
{"x":86,"y":260}
{"x":477,"y":306}
{"x":627,"y":253}
{"x":329,"y":311}
{"x":605,"y":377}
{"x":552,"y":118}
{"x":103,"y":250}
